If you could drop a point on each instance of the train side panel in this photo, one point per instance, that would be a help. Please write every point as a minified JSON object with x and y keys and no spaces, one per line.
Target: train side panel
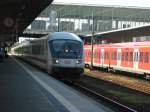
{"x":97,"y":56}
{"x":144,"y":59}
{"x":87,"y":54}
{"x":130,"y":57}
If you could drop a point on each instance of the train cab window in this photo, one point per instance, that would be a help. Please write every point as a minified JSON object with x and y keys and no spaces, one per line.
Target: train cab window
{"x":146,"y":57}
{"x":69,"y":49}
{"x":141,"y":57}
{"x":131,"y":56}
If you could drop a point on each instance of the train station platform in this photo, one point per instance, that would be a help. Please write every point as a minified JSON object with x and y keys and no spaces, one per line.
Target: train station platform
{"x":23,"y":88}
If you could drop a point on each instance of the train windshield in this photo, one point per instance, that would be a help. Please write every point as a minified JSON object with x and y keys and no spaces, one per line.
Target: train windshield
{"x":66,"y":49}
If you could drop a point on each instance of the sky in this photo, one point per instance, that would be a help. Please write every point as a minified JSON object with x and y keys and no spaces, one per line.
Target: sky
{"x":133,"y":3}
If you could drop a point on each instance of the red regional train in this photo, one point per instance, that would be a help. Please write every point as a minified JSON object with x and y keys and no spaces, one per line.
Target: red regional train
{"x":129,"y":57}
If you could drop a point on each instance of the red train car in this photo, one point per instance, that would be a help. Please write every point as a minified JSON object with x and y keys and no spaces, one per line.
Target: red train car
{"x":130,"y":57}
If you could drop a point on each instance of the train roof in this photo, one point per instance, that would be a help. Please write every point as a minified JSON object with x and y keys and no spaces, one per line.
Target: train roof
{"x":59,"y":35}
{"x":64,"y":35}
{"x":128,"y":44}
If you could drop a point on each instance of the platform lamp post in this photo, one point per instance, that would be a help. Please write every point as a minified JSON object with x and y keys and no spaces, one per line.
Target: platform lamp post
{"x":16,"y":33}
{"x":92,"y":40}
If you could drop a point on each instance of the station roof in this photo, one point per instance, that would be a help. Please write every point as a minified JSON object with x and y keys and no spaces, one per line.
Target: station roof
{"x":120,"y":13}
{"x":16,"y":15}
{"x":100,"y":12}
{"x":120,"y":35}
{"x":105,"y":12}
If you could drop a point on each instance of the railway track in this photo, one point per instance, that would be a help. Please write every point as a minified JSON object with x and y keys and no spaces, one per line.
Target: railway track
{"x":117,"y":107}
{"x":122,"y":80}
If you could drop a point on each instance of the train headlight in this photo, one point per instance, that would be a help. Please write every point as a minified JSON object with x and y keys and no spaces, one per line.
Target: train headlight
{"x":78,"y":61}
{"x":55,"y":61}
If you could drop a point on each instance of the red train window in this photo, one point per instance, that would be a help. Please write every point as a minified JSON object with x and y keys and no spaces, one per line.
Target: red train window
{"x":146,"y":57}
{"x":131,"y":56}
{"x":141,"y":57}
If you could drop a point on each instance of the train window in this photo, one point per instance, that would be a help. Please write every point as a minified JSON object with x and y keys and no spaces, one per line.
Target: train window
{"x":146,"y":57}
{"x":105,"y":55}
{"x":126,"y":56}
{"x":108,"y":55}
{"x":70,"y":49}
{"x":35,"y":49}
{"x":95,"y":55}
{"x":119,"y":55}
{"x":141,"y":57}
{"x":115,"y":55}
{"x":112,"y":57}
{"x":131,"y":56}
{"x":123,"y":56}
{"x":90,"y":54}
{"x":135,"y":56}
{"x":102,"y":55}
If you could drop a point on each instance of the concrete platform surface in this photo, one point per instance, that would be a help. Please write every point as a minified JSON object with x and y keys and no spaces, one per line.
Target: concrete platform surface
{"x":23,"y":88}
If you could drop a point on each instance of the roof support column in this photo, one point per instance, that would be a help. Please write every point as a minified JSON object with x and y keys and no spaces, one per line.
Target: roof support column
{"x":92,"y":40}
{"x":58,"y":17}
{"x":116,"y":24}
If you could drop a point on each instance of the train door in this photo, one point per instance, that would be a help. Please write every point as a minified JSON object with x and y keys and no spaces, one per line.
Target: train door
{"x":136,"y":58}
{"x":118,"y":57}
{"x":96,"y":56}
{"x":102,"y":57}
